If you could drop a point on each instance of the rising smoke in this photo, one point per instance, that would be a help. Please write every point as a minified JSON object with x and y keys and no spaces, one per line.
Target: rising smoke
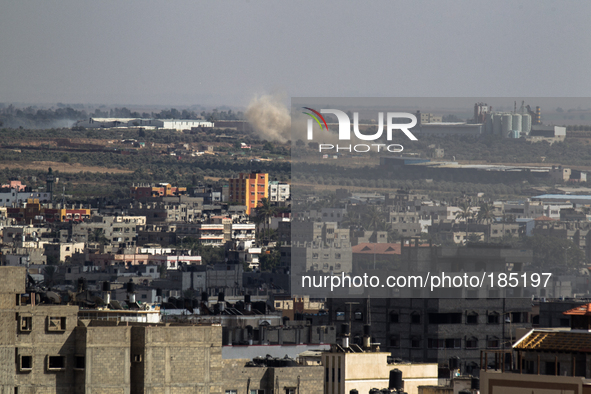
{"x":269,"y":118}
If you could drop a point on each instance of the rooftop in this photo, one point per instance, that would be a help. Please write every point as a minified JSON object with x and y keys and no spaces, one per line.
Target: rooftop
{"x":581,"y":310}
{"x":556,"y":341}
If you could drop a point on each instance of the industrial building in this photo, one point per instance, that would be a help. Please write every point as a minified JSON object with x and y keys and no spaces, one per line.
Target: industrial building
{"x":153,"y":124}
{"x":507,"y":124}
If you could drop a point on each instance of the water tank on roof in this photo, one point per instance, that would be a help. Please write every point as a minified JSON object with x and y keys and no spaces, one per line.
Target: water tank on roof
{"x":395,"y":381}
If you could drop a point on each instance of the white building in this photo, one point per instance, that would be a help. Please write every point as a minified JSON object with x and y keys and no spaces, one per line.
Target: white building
{"x":10,"y":197}
{"x":278,"y":191}
{"x":169,"y":124}
{"x":183,"y":124}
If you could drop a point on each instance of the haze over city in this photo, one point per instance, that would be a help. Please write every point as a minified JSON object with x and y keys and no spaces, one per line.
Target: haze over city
{"x":225,"y":53}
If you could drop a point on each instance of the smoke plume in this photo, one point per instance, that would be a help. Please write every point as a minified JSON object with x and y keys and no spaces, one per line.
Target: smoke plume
{"x":269,"y":118}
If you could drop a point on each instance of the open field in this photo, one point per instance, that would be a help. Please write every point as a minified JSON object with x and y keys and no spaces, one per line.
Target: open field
{"x":62,"y":167}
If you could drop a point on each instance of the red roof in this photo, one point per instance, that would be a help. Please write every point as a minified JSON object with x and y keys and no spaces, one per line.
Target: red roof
{"x":581,"y":310}
{"x":543,"y":219}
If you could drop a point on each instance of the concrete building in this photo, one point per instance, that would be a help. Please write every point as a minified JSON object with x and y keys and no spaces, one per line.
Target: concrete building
{"x":62,"y":252}
{"x":559,"y":173}
{"x":13,"y":196}
{"x":271,"y":375}
{"x":249,"y":189}
{"x":143,"y":192}
{"x":352,"y":368}
{"x":160,"y":210}
{"x":546,"y":360}
{"x":115,"y":230}
{"x":46,"y":348}
{"x":426,"y":117}
{"x":278,"y":191}
{"x":433,"y":330}
{"x":34,"y":212}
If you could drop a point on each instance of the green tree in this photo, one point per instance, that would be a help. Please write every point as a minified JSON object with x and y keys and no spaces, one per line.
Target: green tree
{"x":554,"y":254}
{"x":465,"y":213}
{"x":265,"y":211}
{"x":270,"y":260}
{"x":485,"y":215}
{"x":97,"y":235}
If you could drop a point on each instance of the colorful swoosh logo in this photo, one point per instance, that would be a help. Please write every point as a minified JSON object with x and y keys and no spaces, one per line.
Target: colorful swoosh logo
{"x":316,"y":118}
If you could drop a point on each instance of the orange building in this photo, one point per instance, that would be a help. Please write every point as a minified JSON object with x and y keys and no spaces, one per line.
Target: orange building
{"x":249,"y":189}
{"x":160,"y":190}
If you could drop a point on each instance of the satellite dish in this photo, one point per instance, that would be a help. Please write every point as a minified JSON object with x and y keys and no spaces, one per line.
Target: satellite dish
{"x":115,"y":304}
{"x":54,"y":297}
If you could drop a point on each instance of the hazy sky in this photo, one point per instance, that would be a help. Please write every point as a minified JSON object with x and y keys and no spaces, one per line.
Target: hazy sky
{"x":184,"y":52}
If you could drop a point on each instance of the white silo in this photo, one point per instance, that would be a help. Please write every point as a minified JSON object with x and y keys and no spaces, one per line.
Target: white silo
{"x":526,"y":123}
{"x":506,"y":124}
{"x":516,"y":123}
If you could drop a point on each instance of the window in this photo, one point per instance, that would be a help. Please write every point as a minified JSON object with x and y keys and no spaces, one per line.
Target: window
{"x":395,"y":341}
{"x":415,"y":342}
{"x":25,"y":323}
{"x":492,"y":342}
{"x":393,"y":317}
{"x":137,"y":358}
{"x":493,"y":318}
{"x":415,"y":318}
{"x":79,"y":362}
{"x":358,"y":315}
{"x":435,"y":343}
{"x":453,"y":343}
{"x":445,"y":318}
{"x":472,"y":318}
{"x":340,"y":315}
{"x":257,"y":391}
{"x":25,"y":363}
{"x":551,"y":368}
{"x":472,"y":343}
{"x":56,"y":323}
{"x":290,"y":390}
{"x":231,"y":392}
{"x":56,"y":363}
{"x":517,"y":317}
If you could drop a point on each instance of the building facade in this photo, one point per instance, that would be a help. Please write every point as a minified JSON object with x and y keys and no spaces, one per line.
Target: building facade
{"x":249,"y":189}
